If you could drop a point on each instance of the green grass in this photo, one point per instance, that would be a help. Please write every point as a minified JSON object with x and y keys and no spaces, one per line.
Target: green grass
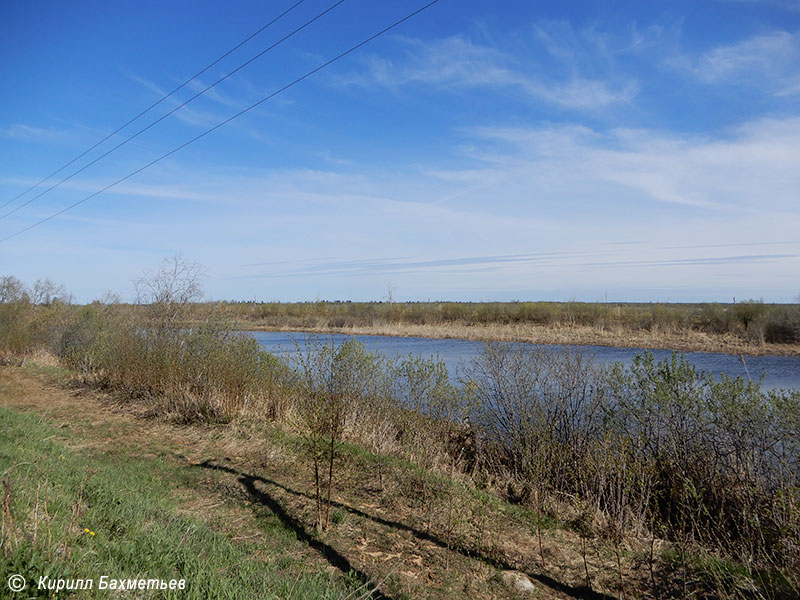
{"x":718,"y":576}
{"x":55,"y":374}
{"x":56,"y":494}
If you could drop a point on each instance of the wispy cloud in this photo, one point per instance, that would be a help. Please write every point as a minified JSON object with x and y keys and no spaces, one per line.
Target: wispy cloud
{"x":29,"y":133}
{"x":739,"y":245}
{"x":591,"y":47}
{"x":688,"y":262}
{"x":406,"y":265}
{"x":727,"y":172}
{"x":169,"y":191}
{"x":216,"y":95}
{"x":790,"y":5}
{"x":458,"y":63}
{"x":768,"y":60}
{"x":188,"y":114}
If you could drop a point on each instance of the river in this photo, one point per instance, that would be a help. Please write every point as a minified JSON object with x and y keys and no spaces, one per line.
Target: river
{"x":779,"y":372}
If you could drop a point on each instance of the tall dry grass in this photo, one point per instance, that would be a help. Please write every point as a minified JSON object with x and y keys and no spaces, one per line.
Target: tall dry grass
{"x":750,"y":320}
{"x":204,"y":373}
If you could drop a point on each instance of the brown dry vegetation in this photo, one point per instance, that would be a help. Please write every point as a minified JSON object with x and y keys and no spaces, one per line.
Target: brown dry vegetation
{"x":745,"y":328}
{"x":683,"y":341}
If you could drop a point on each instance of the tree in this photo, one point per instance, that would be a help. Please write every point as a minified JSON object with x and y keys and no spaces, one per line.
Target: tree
{"x":176,"y":283}
{"x":11,"y":289}
{"x":337,"y":383}
{"x":45,"y":291}
{"x":390,"y":290}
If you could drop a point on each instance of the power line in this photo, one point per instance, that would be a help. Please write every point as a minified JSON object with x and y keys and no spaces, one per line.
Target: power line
{"x":152,"y":106}
{"x":177,"y":108}
{"x":228,"y":120}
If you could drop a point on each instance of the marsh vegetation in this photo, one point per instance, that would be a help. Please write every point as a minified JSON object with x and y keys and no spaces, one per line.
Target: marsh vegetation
{"x":750,"y":326}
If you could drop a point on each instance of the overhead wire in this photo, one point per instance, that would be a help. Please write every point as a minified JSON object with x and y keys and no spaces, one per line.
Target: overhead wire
{"x":228,"y":120}
{"x":174,"y":110}
{"x":152,"y":106}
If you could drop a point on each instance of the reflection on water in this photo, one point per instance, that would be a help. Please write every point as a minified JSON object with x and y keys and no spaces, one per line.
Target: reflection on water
{"x":778,"y":371}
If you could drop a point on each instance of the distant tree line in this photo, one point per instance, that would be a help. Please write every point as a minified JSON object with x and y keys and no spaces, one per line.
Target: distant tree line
{"x":43,"y":291}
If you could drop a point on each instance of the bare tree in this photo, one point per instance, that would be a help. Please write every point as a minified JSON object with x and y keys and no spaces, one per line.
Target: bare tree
{"x":176,"y":283}
{"x":339,"y":384}
{"x":45,"y":291}
{"x":11,"y":289}
{"x":109,"y":298}
{"x":390,"y":290}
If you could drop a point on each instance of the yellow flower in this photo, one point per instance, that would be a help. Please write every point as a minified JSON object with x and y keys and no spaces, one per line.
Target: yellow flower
{"x":85,"y":530}
{"x":91,"y":533}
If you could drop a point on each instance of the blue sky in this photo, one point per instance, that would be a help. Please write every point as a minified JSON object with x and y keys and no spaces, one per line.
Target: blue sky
{"x":642,"y":151}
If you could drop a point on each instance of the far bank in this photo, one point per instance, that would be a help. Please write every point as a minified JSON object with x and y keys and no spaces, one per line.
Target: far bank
{"x":683,"y":341}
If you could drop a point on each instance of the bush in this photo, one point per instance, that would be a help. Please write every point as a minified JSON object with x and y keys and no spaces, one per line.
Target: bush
{"x":782,"y":326}
{"x":16,"y":337}
{"x":657,"y":445}
{"x":533,"y":410}
{"x":719,"y":455}
{"x":204,"y":373}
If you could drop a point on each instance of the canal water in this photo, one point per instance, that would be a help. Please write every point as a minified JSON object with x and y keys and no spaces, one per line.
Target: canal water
{"x":779,"y":372}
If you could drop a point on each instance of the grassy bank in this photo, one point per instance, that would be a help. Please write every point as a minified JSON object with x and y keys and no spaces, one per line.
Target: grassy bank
{"x":743,"y":328}
{"x":76,"y":514}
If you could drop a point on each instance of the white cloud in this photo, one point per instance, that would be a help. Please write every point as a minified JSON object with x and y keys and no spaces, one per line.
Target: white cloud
{"x":790,"y":5}
{"x":29,"y":133}
{"x":216,"y":95}
{"x":591,"y":45}
{"x":188,"y":114}
{"x":770,"y":60}
{"x":459,"y":63}
{"x":752,"y":167}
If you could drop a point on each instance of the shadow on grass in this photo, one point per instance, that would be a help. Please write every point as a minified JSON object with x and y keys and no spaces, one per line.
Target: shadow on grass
{"x":336,"y":559}
{"x":340,"y":561}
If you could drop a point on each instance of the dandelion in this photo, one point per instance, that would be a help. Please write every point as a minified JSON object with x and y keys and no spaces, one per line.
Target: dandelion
{"x":91,"y":533}
{"x":85,"y":530}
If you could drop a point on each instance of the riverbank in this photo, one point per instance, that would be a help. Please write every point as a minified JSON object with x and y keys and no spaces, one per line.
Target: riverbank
{"x":228,"y":509}
{"x":750,"y":327}
{"x":683,"y":341}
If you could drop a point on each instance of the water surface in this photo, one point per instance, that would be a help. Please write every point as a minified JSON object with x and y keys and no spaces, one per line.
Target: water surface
{"x":778,"y":371}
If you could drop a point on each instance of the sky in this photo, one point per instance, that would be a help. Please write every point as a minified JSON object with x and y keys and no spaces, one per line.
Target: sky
{"x":480,"y":151}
